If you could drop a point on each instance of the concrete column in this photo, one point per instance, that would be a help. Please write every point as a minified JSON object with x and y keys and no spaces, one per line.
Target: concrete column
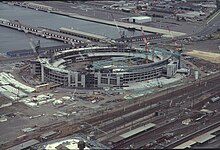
{"x":118,"y":80}
{"x":42,"y":73}
{"x":83,"y":80}
{"x":33,"y":69}
{"x":108,"y":79}
{"x":99,"y":79}
{"x":69,"y":78}
{"x":76,"y":79}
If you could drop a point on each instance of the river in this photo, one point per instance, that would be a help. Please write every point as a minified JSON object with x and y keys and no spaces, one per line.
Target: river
{"x":13,"y":40}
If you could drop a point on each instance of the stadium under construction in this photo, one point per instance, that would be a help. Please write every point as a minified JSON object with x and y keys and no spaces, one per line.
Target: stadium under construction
{"x":110,"y":66}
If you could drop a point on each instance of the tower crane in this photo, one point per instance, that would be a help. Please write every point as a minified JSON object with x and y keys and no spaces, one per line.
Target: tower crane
{"x":35,"y":47}
{"x":146,"y":44}
{"x":152,"y":51}
{"x":122,"y":34}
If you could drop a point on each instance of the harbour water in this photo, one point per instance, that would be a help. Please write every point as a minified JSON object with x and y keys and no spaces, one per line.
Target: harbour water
{"x":13,"y":40}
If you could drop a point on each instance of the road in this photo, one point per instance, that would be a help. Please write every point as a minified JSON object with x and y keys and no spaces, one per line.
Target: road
{"x":210,"y":27}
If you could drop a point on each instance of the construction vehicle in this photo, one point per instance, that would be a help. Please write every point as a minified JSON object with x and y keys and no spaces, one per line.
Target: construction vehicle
{"x":160,"y":85}
{"x":73,"y":98}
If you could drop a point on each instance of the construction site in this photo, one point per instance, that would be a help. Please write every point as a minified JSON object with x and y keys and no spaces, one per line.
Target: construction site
{"x":154,"y":90}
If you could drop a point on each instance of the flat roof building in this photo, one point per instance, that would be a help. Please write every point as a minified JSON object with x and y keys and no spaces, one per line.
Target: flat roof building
{"x":24,"y":145}
{"x":140,"y":19}
{"x":190,"y":15}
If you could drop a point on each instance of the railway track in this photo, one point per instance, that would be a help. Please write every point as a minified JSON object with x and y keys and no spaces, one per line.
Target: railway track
{"x":143,"y":102}
{"x":164,"y":128}
{"x":103,"y":122}
{"x":35,"y":135}
{"x":190,"y":136}
{"x":185,"y":130}
{"x":151,"y":134}
{"x":121,"y":121}
{"x":107,"y":125}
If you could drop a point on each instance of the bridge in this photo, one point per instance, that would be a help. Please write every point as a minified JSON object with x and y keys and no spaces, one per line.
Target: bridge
{"x":44,"y":32}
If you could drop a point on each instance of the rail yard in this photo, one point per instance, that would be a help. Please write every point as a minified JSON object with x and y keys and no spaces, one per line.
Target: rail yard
{"x":149,"y":87}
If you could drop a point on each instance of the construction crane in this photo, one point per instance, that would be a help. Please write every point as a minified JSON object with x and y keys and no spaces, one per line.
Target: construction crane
{"x":152,"y":53}
{"x":122,"y":34}
{"x":35,"y":47}
{"x":146,"y":44}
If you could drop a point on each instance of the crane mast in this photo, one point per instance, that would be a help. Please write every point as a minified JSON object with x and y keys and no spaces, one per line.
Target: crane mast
{"x":119,"y":31}
{"x":152,"y":51}
{"x":146,"y":44}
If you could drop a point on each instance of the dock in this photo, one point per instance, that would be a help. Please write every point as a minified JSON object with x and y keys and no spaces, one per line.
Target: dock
{"x":125,"y":25}
{"x":86,"y":35}
{"x":166,"y":33}
{"x":43,"y":32}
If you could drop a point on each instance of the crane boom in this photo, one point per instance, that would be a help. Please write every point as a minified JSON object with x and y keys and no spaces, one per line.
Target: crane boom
{"x":152,"y":51}
{"x":33,"y":46}
{"x":119,"y":31}
{"x":146,"y":44}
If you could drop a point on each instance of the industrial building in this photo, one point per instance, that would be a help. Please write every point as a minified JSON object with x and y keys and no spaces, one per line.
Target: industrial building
{"x":98,"y":67}
{"x":140,"y":19}
{"x":38,"y":6}
{"x":190,"y":15}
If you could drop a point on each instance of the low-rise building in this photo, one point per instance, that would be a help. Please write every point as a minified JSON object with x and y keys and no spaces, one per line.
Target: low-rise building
{"x":140,"y":19}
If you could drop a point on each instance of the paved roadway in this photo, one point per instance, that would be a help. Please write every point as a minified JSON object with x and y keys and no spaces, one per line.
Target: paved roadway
{"x":210,"y":27}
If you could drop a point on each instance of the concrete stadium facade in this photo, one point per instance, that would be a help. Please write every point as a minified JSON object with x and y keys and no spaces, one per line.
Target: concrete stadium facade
{"x":56,"y":69}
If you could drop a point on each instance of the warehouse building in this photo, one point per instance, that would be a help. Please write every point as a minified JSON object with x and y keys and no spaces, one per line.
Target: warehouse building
{"x":190,"y":15}
{"x":140,"y":19}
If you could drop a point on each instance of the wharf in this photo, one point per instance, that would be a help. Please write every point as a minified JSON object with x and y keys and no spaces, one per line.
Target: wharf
{"x":125,"y":25}
{"x":43,"y":32}
{"x":166,"y":33}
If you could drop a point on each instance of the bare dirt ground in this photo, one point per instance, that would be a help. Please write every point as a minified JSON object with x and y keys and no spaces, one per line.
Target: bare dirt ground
{"x":212,"y":57}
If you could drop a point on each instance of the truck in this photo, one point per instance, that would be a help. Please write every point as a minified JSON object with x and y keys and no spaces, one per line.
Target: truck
{"x":214,"y":99}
